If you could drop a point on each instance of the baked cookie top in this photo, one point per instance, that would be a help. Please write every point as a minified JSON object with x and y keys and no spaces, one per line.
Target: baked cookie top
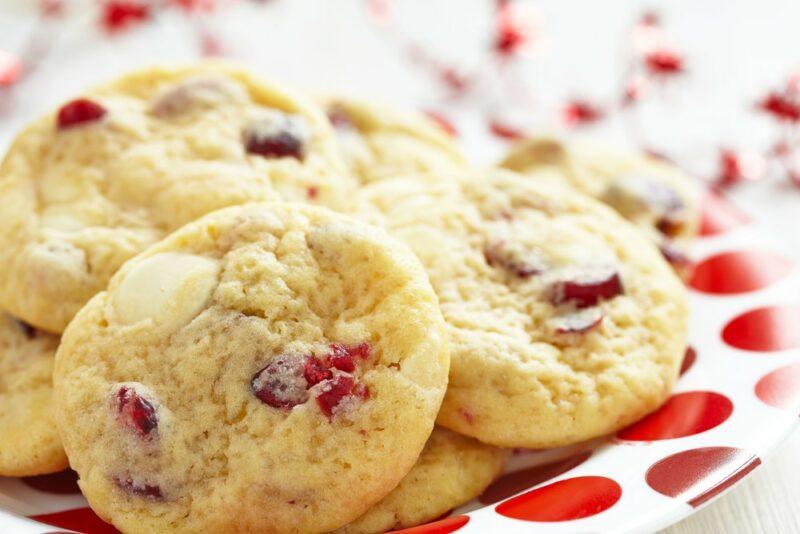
{"x":267,"y":368}
{"x":452,"y":470}
{"x":565,"y":322}
{"x":380,"y":141}
{"x":654,"y":195}
{"x":90,"y":185}
{"x":29,"y":442}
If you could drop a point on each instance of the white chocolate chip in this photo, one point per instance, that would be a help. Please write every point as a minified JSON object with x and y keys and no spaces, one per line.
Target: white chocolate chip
{"x":62,"y":260}
{"x":170,"y":288}
{"x":196,"y":92}
{"x":633,"y":195}
{"x":62,"y":219}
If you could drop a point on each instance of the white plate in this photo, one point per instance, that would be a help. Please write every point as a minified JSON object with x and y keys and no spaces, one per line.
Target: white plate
{"x":738,"y":397}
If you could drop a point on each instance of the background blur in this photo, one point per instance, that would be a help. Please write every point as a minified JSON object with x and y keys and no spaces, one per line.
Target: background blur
{"x":713,"y":85}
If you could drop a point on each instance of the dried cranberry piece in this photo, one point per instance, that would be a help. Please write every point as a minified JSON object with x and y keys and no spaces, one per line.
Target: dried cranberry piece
{"x":672,"y":223}
{"x":497,"y":255}
{"x":276,"y":135}
{"x":281,"y":384}
{"x":339,"y":118}
{"x":677,"y":259}
{"x":673,"y":254}
{"x":79,"y":111}
{"x":343,"y":357}
{"x":587,"y":288}
{"x":334,"y":391}
{"x":577,"y":322}
{"x":151,"y":491}
{"x":315,"y":371}
{"x":136,"y":412}
{"x":29,"y":331}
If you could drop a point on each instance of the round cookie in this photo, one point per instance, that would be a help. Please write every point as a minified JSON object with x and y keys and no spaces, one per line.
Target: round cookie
{"x":109,"y":173}
{"x":267,"y":368}
{"x":379,"y":141}
{"x":452,"y":470}
{"x":654,"y":195}
{"x":565,"y":322}
{"x":29,"y":442}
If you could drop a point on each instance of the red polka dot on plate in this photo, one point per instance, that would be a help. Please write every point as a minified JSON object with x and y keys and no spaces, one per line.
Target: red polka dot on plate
{"x":689,"y":357}
{"x":765,"y":329}
{"x":697,"y":475}
{"x":684,"y":414}
{"x":78,"y":519}
{"x":718,"y":215}
{"x":565,"y":500}
{"x":445,"y":526}
{"x":516,"y":481}
{"x":63,"y":483}
{"x":781,"y":387}
{"x":739,"y":272}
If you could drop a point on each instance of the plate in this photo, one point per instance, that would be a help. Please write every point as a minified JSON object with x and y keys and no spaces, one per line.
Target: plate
{"x":737,"y":398}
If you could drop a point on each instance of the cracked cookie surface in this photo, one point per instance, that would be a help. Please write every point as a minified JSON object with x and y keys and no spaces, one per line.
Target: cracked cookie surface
{"x":92,"y":184}
{"x":565,"y":322}
{"x":268,"y":368}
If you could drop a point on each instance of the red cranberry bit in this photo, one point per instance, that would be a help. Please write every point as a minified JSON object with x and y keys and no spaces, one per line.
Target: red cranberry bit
{"x":577,"y":322}
{"x":343,"y":357}
{"x":276,"y":135}
{"x":664,"y":200}
{"x":339,"y":118}
{"x":315,"y":371}
{"x":29,"y":331}
{"x":468,"y":416}
{"x":672,"y":223}
{"x":677,"y":259}
{"x":79,"y":111}
{"x":587,"y":288}
{"x":150,"y":491}
{"x":336,"y":390}
{"x":136,"y":413}
{"x":282,"y":383}
{"x":497,"y":255}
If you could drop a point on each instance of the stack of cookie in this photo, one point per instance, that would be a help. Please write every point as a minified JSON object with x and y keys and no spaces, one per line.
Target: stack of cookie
{"x":266,"y":303}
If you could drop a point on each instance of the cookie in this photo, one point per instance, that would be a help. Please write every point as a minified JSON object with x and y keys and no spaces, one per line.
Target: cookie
{"x":267,"y":368}
{"x":29,"y":442}
{"x":379,"y":141}
{"x":89,"y":186}
{"x":565,"y":322}
{"x":654,"y":195}
{"x":452,"y":470}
